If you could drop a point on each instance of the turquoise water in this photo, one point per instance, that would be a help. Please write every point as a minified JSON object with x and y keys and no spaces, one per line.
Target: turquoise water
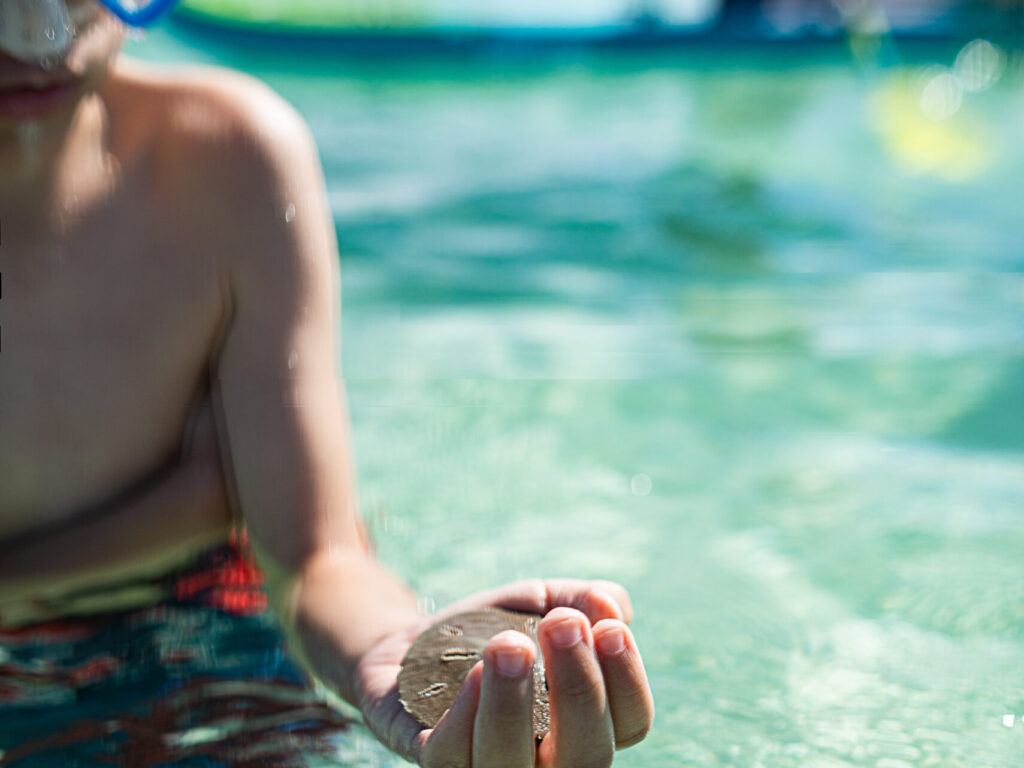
{"x":743,"y":334}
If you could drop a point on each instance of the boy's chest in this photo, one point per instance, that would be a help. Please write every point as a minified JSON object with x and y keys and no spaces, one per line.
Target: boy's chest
{"x":102,"y":354}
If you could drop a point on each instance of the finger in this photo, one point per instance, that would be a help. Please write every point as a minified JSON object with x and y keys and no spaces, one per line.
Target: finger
{"x":597,"y":599}
{"x":581,"y":723}
{"x":503,"y":736}
{"x":629,"y":693}
{"x":450,"y":743}
{"x":529,"y":596}
{"x":619,"y":594}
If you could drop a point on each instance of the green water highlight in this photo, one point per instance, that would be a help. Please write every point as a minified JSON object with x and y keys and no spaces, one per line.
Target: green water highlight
{"x":744,"y":335}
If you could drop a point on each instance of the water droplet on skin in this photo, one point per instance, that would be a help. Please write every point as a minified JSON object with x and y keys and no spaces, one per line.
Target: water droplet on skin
{"x":293,"y":360}
{"x":289,"y":213}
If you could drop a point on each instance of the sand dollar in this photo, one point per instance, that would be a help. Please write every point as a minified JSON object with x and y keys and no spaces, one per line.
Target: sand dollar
{"x":441,"y":657}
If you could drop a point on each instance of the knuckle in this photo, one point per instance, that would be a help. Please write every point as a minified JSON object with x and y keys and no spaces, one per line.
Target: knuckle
{"x":508,"y":714}
{"x":537,"y":589}
{"x":580,"y":692}
{"x":634,"y":700}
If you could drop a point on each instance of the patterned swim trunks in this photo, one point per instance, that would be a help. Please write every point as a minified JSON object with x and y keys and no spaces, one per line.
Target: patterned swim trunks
{"x":201,"y":678}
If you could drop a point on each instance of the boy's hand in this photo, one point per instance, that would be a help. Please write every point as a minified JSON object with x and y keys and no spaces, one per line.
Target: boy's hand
{"x":600,"y":697}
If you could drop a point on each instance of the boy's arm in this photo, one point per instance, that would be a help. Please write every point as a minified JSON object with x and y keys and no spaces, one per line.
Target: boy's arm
{"x":347,"y":617}
{"x":285,"y":424}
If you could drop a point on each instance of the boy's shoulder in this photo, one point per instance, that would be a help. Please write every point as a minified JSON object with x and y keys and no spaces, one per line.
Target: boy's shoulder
{"x":196,"y":108}
{"x":231,"y":154}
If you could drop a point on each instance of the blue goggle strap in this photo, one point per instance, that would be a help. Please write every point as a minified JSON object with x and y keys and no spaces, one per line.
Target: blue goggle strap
{"x":141,"y":17}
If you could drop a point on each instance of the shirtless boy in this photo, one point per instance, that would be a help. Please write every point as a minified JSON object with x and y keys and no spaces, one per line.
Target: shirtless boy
{"x":168,"y":313}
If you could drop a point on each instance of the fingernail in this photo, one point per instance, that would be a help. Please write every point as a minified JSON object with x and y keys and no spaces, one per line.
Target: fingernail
{"x":567,"y":633}
{"x":611,"y":642}
{"x":511,"y":662}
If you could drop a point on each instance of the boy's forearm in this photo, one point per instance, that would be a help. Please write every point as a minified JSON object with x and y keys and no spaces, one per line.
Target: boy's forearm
{"x":337,"y":610}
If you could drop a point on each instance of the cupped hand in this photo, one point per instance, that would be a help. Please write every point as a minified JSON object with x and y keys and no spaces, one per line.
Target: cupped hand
{"x":599,"y":695}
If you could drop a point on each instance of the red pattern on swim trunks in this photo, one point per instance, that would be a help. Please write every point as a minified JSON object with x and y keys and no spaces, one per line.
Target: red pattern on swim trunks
{"x":226,"y":578}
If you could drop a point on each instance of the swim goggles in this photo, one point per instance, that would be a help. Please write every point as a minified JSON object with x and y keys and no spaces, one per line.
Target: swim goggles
{"x":138,"y":13}
{"x":42,"y":30}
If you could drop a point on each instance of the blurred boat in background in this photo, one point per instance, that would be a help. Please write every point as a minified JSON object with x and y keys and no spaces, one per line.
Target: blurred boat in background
{"x":610,"y":20}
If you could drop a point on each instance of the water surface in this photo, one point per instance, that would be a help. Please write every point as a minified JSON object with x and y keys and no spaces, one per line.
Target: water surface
{"x":742,"y":333}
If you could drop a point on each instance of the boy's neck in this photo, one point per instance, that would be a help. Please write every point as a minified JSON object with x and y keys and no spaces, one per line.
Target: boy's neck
{"x":50,"y":171}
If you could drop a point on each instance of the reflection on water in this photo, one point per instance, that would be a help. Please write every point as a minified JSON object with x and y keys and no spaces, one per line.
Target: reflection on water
{"x":747,"y":338}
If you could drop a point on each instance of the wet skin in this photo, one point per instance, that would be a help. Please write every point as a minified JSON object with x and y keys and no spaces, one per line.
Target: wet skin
{"x":106,"y":349}
{"x":167,"y":364}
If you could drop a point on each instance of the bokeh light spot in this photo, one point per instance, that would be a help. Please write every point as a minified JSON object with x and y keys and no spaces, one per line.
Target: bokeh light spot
{"x":979,"y":65}
{"x":640,"y":485}
{"x":941,"y":97}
